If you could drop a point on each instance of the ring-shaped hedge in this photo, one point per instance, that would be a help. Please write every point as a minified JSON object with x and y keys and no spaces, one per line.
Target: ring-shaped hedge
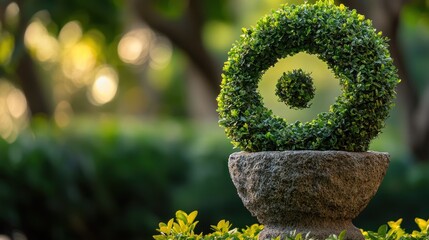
{"x":352,"y":49}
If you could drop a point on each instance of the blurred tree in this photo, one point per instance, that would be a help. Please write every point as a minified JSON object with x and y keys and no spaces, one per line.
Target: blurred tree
{"x":182,"y":22}
{"x":387,"y":16}
{"x":21,"y":68}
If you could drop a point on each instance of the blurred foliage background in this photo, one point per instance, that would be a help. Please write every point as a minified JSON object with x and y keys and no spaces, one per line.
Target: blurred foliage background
{"x":108,"y":119}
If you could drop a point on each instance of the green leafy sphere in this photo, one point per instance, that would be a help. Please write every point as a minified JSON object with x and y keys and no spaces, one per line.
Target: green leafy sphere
{"x":295,"y":89}
{"x":357,"y":55}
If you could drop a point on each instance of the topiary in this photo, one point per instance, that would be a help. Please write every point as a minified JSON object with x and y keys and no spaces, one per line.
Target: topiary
{"x":353,"y":50}
{"x":295,"y":89}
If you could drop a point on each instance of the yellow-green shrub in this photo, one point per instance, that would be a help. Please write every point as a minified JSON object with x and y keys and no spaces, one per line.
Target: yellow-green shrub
{"x":183,"y":227}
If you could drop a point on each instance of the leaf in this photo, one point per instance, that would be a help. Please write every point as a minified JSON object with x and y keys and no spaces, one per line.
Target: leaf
{"x":382,"y":230}
{"x":395,"y":224}
{"x":191,"y":217}
{"x":342,"y":235}
{"x":181,"y":215}
{"x":423,"y":225}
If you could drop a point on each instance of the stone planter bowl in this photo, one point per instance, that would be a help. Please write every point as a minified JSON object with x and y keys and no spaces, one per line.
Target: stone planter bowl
{"x":315,"y":192}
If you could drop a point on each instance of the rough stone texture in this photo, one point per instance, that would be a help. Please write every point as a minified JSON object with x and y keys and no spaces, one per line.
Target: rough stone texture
{"x":311,"y":191}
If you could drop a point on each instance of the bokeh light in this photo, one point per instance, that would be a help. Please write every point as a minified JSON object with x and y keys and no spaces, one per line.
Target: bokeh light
{"x":104,"y":88}
{"x":13,"y":111}
{"x":16,"y":103}
{"x":11,"y":14}
{"x":6,"y":47}
{"x":160,"y":54}
{"x":78,"y":61}
{"x":44,"y":46}
{"x":133,"y":48}
{"x":70,"y":34}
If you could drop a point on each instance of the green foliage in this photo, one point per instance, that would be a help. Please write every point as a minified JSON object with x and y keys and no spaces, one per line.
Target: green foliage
{"x":393,"y":231}
{"x":89,"y":183}
{"x":183,"y":227}
{"x":111,"y":179}
{"x":295,"y":89}
{"x":118,"y":180}
{"x":353,"y":50}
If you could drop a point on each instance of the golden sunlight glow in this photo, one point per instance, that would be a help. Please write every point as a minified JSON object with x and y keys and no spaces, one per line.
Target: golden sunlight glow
{"x":11,"y":14}
{"x":78,"y":62}
{"x":83,"y":57}
{"x":48,"y":49}
{"x":134,"y":46}
{"x":104,"y":87}
{"x":70,"y":34}
{"x":32,"y":34}
{"x":13,"y":108}
{"x":7,"y":44}
{"x":12,"y":10}
{"x":16,"y":103}
{"x":161,"y":53}
{"x":38,"y":40}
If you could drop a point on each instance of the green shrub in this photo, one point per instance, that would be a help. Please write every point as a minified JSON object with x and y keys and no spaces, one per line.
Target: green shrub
{"x":393,"y":231}
{"x":118,"y":180}
{"x":183,"y":227}
{"x":112,"y":179}
{"x":89,"y":183}
{"x":353,"y":50}
{"x":295,"y":89}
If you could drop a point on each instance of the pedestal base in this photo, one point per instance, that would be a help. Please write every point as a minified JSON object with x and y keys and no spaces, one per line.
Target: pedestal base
{"x":317,"y":229}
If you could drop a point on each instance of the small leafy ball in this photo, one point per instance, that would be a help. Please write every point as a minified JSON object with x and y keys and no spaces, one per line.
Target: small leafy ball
{"x":295,"y":89}
{"x":354,"y":51}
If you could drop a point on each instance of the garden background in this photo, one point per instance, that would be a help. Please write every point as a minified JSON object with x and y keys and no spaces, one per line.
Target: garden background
{"x":108,"y":120}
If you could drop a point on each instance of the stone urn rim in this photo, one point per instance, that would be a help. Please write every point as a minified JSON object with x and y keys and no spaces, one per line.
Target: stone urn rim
{"x":311,"y":150}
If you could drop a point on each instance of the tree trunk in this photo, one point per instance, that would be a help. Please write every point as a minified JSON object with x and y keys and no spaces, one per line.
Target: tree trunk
{"x":185,"y":33}
{"x":31,"y":87}
{"x":22,"y":65}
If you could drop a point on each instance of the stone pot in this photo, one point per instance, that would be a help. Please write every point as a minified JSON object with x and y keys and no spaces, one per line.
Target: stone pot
{"x":315,"y":192}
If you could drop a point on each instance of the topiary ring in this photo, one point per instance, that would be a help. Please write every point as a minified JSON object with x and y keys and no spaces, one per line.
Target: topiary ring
{"x":352,"y":49}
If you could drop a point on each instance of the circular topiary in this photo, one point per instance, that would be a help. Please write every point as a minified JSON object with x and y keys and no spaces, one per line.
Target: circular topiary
{"x":296,"y":89}
{"x":352,"y":49}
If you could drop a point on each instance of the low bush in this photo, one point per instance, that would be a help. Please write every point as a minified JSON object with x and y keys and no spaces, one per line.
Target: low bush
{"x":183,"y":227}
{"x":109,"y":179}
{"x":89,"y":182}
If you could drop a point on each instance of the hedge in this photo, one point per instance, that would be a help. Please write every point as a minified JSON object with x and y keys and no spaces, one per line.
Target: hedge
{"x":119,"y":179}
